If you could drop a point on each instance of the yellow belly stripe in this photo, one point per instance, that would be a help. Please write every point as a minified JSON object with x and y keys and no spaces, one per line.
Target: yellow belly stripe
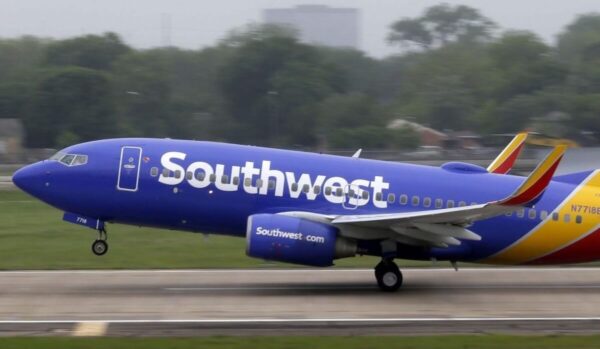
{"x":551,"y":235}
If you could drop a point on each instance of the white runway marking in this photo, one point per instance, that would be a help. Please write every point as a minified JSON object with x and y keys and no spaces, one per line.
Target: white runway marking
{"x":301,"y":320}
{"x":90,"y":329}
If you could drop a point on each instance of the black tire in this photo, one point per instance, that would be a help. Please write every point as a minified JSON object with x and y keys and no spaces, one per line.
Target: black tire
{"x":389,"y":278}
{"x":99,"y":247}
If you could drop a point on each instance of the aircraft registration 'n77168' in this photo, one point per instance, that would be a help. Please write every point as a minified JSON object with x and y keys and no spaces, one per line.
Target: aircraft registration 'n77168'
{"x":311,"y":209}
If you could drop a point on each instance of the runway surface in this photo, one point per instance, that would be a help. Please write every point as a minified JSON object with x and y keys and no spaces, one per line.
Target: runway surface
{"x":327,"y":301}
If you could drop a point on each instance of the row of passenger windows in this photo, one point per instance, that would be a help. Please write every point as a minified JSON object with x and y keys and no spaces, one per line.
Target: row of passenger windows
{"x":426,"y":202}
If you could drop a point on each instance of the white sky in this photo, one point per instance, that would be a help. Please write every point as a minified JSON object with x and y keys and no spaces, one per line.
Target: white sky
{"x":199,"y":23}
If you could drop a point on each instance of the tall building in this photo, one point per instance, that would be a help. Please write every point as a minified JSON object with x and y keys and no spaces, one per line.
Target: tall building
{"x":319,"y":24}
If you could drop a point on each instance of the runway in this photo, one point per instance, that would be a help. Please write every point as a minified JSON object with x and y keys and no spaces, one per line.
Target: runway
{"x":298,"y":301}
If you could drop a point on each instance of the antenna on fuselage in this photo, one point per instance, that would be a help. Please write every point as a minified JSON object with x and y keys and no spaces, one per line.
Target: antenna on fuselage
{"x":357,"y":154}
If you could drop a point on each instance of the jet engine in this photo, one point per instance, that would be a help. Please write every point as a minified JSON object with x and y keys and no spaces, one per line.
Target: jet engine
{"x":295,"y":240}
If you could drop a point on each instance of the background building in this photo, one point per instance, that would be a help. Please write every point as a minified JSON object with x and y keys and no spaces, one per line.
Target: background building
{"x":319,"y":24}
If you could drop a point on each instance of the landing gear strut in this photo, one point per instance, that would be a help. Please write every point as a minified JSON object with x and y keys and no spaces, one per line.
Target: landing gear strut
{"x":100,"y":246}
{"x":389,"y":277}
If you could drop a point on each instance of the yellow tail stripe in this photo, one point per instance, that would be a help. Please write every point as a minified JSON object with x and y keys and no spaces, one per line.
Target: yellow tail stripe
{"x":542,"y":168}
{"x":550,"y":235}
{"x":508,"y":151}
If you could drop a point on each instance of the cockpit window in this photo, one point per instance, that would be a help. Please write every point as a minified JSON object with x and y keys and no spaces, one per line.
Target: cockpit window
{"x":57,"y":156}
{"x":79,"y":160}
{"x":70,"y":159}
{"x":67,"y":159}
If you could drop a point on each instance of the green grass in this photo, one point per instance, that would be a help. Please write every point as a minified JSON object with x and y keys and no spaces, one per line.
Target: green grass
{"x":33,"y":236}
{"x":435,"y":342}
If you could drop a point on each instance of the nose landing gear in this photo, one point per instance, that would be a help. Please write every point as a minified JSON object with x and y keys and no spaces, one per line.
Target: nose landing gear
{"x":100,"y":246}
{"x":389,"y":277}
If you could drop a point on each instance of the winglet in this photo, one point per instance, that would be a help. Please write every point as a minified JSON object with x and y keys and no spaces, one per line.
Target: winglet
{"x":537,"y":181}
{"x":505,"y":161}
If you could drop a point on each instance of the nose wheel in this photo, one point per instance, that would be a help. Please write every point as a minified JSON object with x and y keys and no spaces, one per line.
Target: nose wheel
{"x":100,"y":246}
{"x":389,"y":277}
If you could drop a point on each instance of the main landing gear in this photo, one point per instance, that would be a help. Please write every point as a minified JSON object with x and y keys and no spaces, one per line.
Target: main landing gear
{"x":389,"y":277}
{"x":100,"y":246}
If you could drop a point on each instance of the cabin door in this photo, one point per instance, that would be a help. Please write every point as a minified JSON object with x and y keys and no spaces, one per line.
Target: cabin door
{"x":129,"y":169}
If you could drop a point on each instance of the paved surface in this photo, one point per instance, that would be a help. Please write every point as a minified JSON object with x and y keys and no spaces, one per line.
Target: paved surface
{"x":209,"y":302}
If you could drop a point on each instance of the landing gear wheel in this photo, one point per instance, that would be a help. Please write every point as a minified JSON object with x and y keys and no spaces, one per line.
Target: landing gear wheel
{"x":100,"y":247}
{"x":389,"y":277}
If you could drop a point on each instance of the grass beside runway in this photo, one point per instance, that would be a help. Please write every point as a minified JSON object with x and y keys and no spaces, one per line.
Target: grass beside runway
{"x":386,"y":342}
{"x":33,"y":236}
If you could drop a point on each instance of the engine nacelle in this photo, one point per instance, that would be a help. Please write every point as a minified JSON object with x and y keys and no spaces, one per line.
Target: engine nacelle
{"x":295,"y":240}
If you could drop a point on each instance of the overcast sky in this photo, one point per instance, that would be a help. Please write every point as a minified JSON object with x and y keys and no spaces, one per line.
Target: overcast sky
{"x":199,"y":23}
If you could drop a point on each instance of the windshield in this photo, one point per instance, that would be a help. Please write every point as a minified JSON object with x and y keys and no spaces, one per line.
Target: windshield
{"x":70,"y":159}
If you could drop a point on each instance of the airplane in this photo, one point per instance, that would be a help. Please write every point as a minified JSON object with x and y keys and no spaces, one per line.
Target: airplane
{"x":311,"y":209}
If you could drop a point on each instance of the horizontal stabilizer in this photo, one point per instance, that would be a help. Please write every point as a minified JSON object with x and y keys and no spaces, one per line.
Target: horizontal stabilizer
{"x":506,"y":160}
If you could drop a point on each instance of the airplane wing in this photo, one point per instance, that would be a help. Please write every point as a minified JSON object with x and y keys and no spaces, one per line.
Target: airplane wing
{"x":441,"y":227}
{"x":506,"y":159}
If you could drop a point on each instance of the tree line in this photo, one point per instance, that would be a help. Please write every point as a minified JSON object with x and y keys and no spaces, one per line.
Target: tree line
{"x":455,"y":70}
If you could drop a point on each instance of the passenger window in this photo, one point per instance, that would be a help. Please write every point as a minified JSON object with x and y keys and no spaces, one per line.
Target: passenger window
{"x":212,"y":178}
{"x":189,"y":175}
{"x":462,"y":204}
{"x":327,"y":191}
{"x":178,"y":174}
{"x":247,"y":182}
{"x":450,"y":204}
{"x":567,"y":218}
{"x":294,"y":187}
{"x":305,"y":188}
{"x":555,"y":216}
{"x":578,"y":219}
{"x":415,"y":200}
{"x":532,"y":213}
{"x":378,"y":196}
{"x":439,"y":203}
{"x":317,"y":189}
{"x":403,"y":199}
{"x":427,"y":202}
{"x":351,"y":193}
{"x":200,"y":176}
{"x":508,"y":214}
{"x":154,"y":171}
{"x":259,"y":183}
{"x":225,"y":179}
{"x":521,"y":213}
{"x":365,"y":195}
{"x":543,"y":215}
{"x":165,"y":172}
{"x":391,"y":198}
{"x":339,"y":192}
{"x":235,"y":180}
{"x":272,"y":184}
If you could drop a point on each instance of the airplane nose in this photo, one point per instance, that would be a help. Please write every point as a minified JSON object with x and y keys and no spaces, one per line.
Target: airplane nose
{"x":30,"y":178}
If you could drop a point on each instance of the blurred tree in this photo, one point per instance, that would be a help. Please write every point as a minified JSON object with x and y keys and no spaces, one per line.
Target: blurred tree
{"x":440,"y":25}
{"x":70,"y":103}
{"x":90,"y":51}
{"x":525,"y":64}
{"x":18,"y":57}
{"x":578,"y":38}
{"x":271,"y":86}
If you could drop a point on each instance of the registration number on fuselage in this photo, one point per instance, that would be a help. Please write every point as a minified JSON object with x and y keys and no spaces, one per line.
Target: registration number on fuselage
{"x":585,"y":209}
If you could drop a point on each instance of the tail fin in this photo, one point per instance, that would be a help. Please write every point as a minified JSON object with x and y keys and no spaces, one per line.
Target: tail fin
{"x":537,"y":181}
{"x":506,"y":160}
